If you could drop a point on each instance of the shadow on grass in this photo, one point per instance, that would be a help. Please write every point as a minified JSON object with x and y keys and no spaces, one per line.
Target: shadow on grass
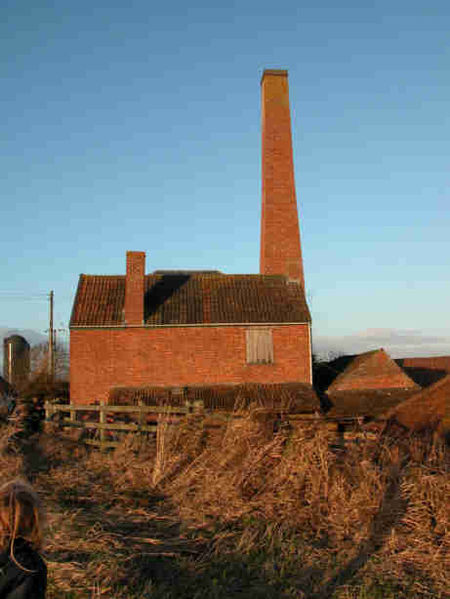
{"x":139,"y":539}
{"x":392,"y":509}
{"x":242,"y":576}
{"x":33,"y":459}
{"x":141,"y":552}
{"x":149,"y":556}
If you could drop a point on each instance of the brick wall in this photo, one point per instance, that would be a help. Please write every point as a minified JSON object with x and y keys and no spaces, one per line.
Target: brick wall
{"x":134,"y":288}
{"x":104,"y":358}
{"x":280,"y":236}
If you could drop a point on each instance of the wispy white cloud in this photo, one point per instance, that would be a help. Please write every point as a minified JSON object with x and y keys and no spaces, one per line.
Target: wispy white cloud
{"x":397,"y":342}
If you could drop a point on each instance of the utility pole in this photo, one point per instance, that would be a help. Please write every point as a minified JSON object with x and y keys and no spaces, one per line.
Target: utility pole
{"x":51,"y":341}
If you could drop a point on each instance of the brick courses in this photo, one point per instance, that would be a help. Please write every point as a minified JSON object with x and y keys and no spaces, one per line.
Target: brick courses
{"x":178,"y":356}
{"x":134,"y":288}
{"x":112,"y":347}
{"x":280,"y":233}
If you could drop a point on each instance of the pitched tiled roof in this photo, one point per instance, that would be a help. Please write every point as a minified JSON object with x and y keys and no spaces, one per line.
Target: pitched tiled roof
{"x":366,"y":385}
{"x":192,"y":298}
{"x":371,"y":370}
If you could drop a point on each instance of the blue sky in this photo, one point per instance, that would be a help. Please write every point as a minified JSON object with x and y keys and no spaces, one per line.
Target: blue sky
{"x":137,"y":126}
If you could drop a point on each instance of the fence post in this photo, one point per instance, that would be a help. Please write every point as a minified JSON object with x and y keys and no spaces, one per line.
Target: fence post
{"x":140,"y":419}
{"x":73,"y":414}
{"x":198,"y":407}
{"x":102,"y":420}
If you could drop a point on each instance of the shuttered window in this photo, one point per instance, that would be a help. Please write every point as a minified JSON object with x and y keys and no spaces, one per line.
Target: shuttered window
{"x":259,"y":346}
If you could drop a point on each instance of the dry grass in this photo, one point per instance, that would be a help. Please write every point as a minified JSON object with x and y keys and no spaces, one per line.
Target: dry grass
{"x":245,"y":513}
{"x":10,"y":461}
{"x":379,"y":512}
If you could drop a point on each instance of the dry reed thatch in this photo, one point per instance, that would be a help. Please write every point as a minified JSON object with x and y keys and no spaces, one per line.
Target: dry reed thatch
{"x":246,"y":512}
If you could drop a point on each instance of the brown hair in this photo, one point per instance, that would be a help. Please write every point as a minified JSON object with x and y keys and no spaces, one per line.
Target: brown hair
{"x":21,"y":516}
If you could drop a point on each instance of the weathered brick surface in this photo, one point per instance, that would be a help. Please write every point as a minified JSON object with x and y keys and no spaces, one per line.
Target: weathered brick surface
{"x":178,"y":356}
{"x":134,"y":288}
{"x":280,"y":234}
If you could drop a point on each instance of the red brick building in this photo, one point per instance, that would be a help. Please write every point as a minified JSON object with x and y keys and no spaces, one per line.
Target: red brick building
{"x":179,"y":329}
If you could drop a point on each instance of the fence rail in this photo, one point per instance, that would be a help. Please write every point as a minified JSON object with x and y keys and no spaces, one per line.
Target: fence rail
{"x":56,"y":412}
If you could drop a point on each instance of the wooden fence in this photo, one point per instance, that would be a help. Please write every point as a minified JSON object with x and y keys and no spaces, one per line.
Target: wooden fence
{"x":103,"y":419}
{"x":106,"y":420}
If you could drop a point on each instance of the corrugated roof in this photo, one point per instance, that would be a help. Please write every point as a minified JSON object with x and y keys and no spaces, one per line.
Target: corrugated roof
{"x":192,"y":298}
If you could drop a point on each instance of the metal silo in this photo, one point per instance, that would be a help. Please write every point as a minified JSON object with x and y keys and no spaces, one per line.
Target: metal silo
{"x":16,"y":360}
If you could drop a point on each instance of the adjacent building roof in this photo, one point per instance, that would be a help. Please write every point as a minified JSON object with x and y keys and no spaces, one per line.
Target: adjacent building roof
{"x":371,"y":370}
{"x":431,"y":362}
{"x":192,"y":298}
{"x":368,"y":385}
{"x":426,"y":408}
{"x":366,"y":403}
{"x":425,"y":371}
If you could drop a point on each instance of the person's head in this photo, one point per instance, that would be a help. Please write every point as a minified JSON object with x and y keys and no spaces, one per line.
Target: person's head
{"x":21,"y":515}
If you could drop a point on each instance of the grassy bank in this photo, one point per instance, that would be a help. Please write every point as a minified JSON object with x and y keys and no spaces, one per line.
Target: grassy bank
{"x":243,"y":513}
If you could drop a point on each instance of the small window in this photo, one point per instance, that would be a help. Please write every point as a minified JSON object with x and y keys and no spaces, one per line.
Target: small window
{"x":259,"y":346}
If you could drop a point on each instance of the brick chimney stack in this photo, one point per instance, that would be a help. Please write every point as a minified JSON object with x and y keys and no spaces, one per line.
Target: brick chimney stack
{"x":134,"y":288}
{"x":280,"y":234}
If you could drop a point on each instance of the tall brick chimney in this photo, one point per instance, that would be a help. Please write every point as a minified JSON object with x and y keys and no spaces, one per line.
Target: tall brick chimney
{"x":134,"y":288}
{"x":280,"y":234}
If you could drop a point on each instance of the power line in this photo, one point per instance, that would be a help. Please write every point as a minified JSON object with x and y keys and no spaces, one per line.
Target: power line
{"x":10,"y":295}
{"x":20,"y":298}
{"x":35,"y":296}
{"x":11,"y":292}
